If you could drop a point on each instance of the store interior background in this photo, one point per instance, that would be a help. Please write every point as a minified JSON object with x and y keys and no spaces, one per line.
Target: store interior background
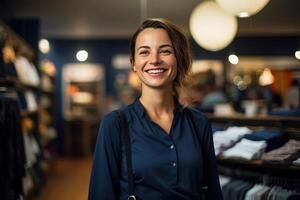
{"x":81,"y":93}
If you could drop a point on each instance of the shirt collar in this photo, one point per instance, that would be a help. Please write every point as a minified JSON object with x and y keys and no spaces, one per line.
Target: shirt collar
{"x":142,"y":111}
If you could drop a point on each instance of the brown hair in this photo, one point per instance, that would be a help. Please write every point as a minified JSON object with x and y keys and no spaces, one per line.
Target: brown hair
{"x":180,"y":44}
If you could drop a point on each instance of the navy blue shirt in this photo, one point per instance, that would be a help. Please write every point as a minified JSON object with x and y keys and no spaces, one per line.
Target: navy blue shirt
{"x":170,"y":166}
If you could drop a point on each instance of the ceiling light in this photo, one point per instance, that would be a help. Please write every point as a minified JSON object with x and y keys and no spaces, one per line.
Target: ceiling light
{"x":237,"y":7}
{"x":44,"y":46}
{"x":297,"y":54}
{"x":266,"y":78}
{"x":233,"y":59}
{"x":243,"y":14}
{"x":82,"y":55}
{"x":212,"y":27}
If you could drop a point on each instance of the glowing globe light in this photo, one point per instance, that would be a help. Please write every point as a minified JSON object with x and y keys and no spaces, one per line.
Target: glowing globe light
{"x":211,"y":27}
{"x":243,"y":8}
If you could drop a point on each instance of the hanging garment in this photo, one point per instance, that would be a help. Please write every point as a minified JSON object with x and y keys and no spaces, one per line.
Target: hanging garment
{"x":12,"y":156}
{"x":26,"y":71}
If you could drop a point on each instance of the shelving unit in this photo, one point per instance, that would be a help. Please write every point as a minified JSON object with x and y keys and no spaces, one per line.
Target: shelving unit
{"x":266,"y":121}
{"x":291,"y":125}
{"x":37,"y":117}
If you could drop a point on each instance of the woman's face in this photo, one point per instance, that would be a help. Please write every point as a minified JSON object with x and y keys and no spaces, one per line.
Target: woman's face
{"x":155,"y":61}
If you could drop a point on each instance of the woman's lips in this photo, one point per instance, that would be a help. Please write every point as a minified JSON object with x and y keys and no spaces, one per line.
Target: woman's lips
{"x":156,"y":71}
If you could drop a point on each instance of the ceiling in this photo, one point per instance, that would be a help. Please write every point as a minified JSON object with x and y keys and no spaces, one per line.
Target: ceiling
{"x":119,"y":18}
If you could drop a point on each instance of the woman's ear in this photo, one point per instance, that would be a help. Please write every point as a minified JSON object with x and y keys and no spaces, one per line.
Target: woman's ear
{"x":132,"y":65}
{"x":133,"y":68}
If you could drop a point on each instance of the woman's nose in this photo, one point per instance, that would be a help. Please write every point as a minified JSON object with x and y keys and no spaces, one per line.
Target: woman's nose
{"x":155,"y":59}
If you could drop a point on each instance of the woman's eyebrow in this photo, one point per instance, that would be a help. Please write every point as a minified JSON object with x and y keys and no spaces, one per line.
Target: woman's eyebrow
{"x":165,"y":45}
{"x":161,"y":46}
{"x":147,"y":47}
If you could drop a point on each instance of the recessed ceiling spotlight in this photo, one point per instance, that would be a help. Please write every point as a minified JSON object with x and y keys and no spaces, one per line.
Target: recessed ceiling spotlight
{"x":82,"y":55}
{"x":233,"y":59}
{"x":44,"y":46}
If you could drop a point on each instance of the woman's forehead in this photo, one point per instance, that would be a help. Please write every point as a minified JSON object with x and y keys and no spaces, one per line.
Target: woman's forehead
{"x":153,"y":36}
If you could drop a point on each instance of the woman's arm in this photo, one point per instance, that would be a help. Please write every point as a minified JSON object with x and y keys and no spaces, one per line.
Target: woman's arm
{"x":104,"y":181}
{"x":211,"y":178}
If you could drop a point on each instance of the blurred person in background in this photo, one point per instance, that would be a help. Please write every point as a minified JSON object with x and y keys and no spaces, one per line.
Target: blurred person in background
{"x":171,"y":146}
{"x":293,"y":95}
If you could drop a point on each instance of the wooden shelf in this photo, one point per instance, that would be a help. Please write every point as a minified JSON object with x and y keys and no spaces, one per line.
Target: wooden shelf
{"x":18,"y":84}
{"x":27,"y":113}
{"x":258,"y":165}
{"x":266,"y":121}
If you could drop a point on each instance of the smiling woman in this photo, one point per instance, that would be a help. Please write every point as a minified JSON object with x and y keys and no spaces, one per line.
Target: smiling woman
{"x":176,"y":43}
{"x":169,"y":151}
{"x":154,"y":59}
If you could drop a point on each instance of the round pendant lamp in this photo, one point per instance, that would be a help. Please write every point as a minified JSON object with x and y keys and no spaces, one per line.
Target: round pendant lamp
{"x":212,"y":27}
{"x":243,"y":8}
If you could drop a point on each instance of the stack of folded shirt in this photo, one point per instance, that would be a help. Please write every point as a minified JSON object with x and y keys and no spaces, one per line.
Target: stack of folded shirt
{"x":246,"y":149}
{"x":274,"y":139}
{"x":26,"y":71}
{"x":297,"y":162}
{"x":284,"y":155}
{"x":225,"y":139}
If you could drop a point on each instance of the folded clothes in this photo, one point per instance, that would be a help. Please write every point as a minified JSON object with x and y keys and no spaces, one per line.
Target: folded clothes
{"x":225,"y":139}
{"x":286,"y":112}
{"x":284,"y":155}
{"x":246,"y":149}
{"x":274,"y":139}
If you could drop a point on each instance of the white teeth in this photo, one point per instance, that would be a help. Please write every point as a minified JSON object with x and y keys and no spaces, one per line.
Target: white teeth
{"x":155,"y":71}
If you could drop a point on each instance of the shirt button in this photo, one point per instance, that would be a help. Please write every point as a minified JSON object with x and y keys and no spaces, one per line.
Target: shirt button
{"x":172,"y":146}
{"x":174,"y":164}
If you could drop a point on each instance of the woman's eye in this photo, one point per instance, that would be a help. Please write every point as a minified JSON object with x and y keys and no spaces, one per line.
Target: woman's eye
{"x":166,"y":52}
{"x":143,"y":52}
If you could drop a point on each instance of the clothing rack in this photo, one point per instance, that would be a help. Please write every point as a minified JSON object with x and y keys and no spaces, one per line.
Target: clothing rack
{"x":263,"y":178}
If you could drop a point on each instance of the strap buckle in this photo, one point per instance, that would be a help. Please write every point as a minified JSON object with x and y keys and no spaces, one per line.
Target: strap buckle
{"x":131,"y":197}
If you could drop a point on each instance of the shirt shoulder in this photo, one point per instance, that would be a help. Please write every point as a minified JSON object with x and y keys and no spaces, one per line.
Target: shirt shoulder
{"x":110,"y":119}
{"x":110,"y":127}
{"x":197,"y":115}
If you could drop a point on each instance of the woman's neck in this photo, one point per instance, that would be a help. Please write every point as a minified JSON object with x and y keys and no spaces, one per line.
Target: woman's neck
{"x":157,"y":102}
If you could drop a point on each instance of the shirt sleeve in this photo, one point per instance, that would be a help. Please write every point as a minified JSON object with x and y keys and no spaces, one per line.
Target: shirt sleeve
{"x":105,"y":176}
{"x":211,"y":178}
{"x":210,"y":174}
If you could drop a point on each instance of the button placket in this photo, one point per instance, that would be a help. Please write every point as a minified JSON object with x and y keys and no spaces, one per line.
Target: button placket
{"x":174,"y":164}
